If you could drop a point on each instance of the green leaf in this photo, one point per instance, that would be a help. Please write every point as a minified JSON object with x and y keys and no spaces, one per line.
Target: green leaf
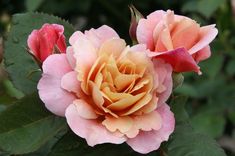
{"x":72,"y":145}
{"x":209,"y":121}
{"x":27,"y":125}
{"x":19,"y":64}
{"x":178,"y":108}
{"x":204,"y":7}
{"x":186,"y":142}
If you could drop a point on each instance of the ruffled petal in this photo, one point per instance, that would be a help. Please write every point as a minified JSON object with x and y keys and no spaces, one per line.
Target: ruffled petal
{"x":70,"y":83}
{"x":164,"y":71}
{"x":146,"y":142}
{"x":94,"y":132}
{"x":145,"y":28}
{"x":206,"y":35}
{"x":55,"y":98}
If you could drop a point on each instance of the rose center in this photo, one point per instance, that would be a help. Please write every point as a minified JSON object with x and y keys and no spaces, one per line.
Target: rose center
{"x":118,"y":86}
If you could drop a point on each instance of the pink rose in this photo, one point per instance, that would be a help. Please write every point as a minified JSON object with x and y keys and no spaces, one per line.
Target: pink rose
{"x":46,"y":41}
{"x":109,"y":92}
{"x":178,"y":40}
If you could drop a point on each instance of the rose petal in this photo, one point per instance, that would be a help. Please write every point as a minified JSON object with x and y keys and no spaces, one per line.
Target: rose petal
{"x":146,"y":27}
{"x":85,"y":55}
{"x":94,"y":132}
{"x":185,"y":33}
{"x":206,"y":34}
{"x":100,"y":35}
{"x":113,"y":46}
{"x":146,"y":142}
{"x":84,"y":110}
{"x":33,"y":43}
{"x":61,"y":38}
{"x":164,"y":72}
{"x":70,"y":83}
{"x":55,"y":98}
{"x":70,"y":57}
{"x":180,"y":60}
{"x":123,"y":124}
{"x":56,"y":65}
{"x":202,"y":54}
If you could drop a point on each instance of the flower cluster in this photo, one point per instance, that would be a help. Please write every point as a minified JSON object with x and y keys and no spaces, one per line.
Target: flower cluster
{"x":110,"y":92}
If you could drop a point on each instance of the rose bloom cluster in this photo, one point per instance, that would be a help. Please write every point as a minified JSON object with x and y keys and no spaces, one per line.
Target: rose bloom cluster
{"x":110,"y":92}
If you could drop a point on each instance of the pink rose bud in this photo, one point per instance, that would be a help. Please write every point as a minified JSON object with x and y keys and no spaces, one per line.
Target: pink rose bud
{"x":135,"y":17}
{"x":46,"y":41}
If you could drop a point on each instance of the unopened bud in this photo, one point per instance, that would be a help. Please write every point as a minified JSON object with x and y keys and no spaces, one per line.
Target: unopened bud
{"x":135,"y":17}
{"x":178,"y":79}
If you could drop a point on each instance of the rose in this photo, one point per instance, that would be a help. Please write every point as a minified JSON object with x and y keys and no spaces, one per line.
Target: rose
{"x":46,"y":41}
{"x":178,"y":40}
{"x":109,"y":92}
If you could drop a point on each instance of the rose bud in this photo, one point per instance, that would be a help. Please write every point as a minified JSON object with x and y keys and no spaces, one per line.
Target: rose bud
{"x":135,"y":17}
{"x":46,"y":41}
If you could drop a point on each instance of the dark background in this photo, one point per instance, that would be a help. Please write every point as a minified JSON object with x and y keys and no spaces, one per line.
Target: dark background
{"x":211,"y":102}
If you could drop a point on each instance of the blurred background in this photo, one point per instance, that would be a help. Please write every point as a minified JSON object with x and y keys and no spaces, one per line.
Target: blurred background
{"x":211,"y":102}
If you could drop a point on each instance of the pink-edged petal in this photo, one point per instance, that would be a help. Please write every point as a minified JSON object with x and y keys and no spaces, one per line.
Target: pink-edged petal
{"x":70,"y":83}
{"x":73,"y":38}
{"x":202,"y":54}
{"x":145,"y":28}
{"x":164,"y":72}
{"x":114,"y":46}
{"x":100,"y":35}
{"x":94,"y":132}
{"x":206,"y":35}
{"x":56,"y":65}
{"x":138,"y":47}
{"x":84,"y":110}
{"x":85,"y":55}
{"x":55,"y":98}
{"x":179,"y":58}
{"x":122,"y":124}
{"x":144,"y":122}
{"x":146,"y":142}
{"x":70,"y":56}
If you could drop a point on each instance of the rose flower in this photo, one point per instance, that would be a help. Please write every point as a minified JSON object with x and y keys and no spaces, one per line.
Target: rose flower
{"x":109,"y":92}
{"x":46,"y":41}
{"x":177,"y":39}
